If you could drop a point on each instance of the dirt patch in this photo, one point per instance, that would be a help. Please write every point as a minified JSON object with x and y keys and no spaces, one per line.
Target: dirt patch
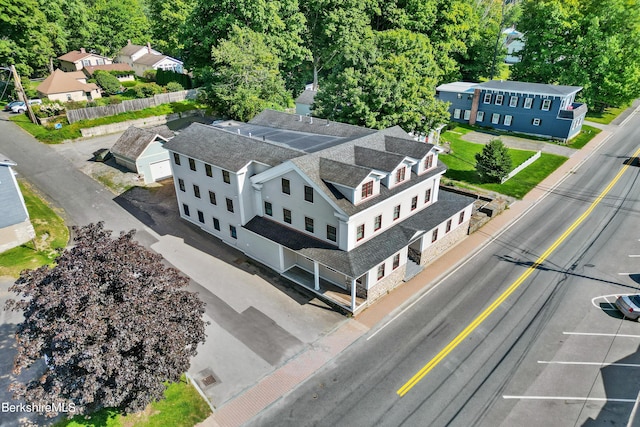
{"x":114,"y":177}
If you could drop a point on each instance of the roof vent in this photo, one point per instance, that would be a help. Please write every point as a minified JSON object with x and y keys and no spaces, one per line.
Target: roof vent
{"x":238,"y":131}
{"x":300,"y":117}
{"x":310,"y":120}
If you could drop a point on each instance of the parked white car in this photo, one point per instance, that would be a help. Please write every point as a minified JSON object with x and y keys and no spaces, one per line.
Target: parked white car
{"x":20,"y":107}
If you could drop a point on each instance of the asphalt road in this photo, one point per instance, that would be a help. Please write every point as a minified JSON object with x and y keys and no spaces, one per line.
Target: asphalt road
{"x":553,"y":353}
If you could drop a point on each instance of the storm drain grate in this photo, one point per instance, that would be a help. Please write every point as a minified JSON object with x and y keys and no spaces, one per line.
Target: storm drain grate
{"x":207,"y":381}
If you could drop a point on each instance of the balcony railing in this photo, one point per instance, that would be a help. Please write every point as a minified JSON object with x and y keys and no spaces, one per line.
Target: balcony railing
{"x":574,"y":110}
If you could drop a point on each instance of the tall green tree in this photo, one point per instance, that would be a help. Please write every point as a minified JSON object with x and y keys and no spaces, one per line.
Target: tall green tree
{"x":244,"y":77}
{"x":336,"y":32}
{"x":167,"y":19}
{"x":590,"y":43}
{"x":22,"y":41}
{"x":115,"y":22}
{"x":396,"y":87}
{"x":279,"y":21}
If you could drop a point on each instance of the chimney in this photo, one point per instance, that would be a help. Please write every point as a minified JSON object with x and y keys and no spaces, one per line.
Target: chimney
{"x":82,"y":50}
{"x":148,"y":47}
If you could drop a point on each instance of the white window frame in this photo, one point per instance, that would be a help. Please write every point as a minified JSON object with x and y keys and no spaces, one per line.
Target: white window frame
{"x":487,"y":98}
{"x":536,"y":122}
{"x":480,"y":116}
{"x":528,"y":102}
{"x":456,"y":113}
{"x":513,"y":101}
{"x":507,"y":120}
{"x":467,"y":114}
{"x":495,"y":118}
{"x":499,"y":99}
{"x":546,"y":105}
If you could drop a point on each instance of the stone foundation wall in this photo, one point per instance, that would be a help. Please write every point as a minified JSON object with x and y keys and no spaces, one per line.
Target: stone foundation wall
{"x":444,"y":244}
{"x":387,"y":284}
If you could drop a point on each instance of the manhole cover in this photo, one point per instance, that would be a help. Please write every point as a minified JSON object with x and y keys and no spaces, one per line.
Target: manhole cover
{"x":207,"y":381}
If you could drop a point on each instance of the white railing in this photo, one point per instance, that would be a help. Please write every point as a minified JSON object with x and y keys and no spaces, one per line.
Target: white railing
{"x":522,"y":166}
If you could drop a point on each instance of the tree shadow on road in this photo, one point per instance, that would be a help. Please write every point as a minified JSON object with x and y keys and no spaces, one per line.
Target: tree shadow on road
{"x":11,"y":413}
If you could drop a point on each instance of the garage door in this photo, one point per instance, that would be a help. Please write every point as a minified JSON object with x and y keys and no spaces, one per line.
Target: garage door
{"x":160,"y":170}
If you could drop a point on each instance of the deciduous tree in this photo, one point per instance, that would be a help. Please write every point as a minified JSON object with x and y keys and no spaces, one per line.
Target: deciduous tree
{"x":112,"y":322}
{"x":244,"y":77}
{"x":397,"y":87}
{"x":591,"y":43}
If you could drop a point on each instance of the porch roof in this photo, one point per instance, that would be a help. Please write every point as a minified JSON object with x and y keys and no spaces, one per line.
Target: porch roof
{"x":366,"y":256}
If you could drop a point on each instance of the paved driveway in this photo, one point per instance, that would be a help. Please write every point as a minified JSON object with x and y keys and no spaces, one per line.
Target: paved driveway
{"x":258,"y":321}
{"x":520,"y":143}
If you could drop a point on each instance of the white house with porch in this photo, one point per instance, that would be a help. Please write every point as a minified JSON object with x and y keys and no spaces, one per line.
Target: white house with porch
{"x":348,"y":212}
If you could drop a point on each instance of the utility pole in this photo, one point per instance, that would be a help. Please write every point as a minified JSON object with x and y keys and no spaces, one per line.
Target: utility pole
{"x":22,"y":95}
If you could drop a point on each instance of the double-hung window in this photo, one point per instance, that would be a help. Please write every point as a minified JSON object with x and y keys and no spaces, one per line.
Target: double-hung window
{"x":546,"y":105}
{"x":507,"y":120}
{"x":499,"y":99}
{"x":286,"y":186}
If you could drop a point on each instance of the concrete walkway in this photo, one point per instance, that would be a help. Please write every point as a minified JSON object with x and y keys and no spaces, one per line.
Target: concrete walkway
{"x":285,"y":379}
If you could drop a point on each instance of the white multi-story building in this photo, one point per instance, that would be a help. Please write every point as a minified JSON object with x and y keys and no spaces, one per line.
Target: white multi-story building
{"x":346,"y":211}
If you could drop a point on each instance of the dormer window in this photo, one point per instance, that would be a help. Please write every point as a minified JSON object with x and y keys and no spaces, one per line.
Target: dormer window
{"x":400,"y":174}
{"x":367,"y":189}
{"x":428,"y":162}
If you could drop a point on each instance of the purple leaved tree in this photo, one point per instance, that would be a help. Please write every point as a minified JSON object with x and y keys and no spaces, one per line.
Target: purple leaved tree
{"x":112,"y":322}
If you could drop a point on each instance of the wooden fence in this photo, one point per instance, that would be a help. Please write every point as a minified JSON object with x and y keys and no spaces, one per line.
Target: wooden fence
{"x":129,"y":105}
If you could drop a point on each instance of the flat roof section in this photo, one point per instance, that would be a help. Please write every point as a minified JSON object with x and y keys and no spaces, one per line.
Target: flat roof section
{"x":303,"y":141}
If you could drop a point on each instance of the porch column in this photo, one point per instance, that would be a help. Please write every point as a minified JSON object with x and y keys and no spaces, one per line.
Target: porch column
{"x":281,"y":255}
{"x":353,"y":295}
{"x":316,"y":275}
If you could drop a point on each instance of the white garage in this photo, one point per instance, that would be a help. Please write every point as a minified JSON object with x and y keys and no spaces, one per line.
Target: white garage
{"x":142,"y":151}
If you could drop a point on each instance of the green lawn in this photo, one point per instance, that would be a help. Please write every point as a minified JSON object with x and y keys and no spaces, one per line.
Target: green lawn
{"x":461,"y":166}
{"x":51,"y":233}
{"x":182,"y":407}
{"x":586,"y":134}
{"x":607,"y":115}
{"x":50,"y":135}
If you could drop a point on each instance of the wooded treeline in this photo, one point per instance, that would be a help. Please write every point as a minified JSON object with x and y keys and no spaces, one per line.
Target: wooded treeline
{"x":377,"y":62}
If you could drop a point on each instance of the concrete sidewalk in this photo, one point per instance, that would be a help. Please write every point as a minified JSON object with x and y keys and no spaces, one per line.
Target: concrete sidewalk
{"x":285,"y":379}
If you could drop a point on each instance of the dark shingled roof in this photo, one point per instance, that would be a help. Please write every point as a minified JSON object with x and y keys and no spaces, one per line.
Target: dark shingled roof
{"x":306,"y":97}
{"x":345,"y":153}
{"x":12,"y":211}
{"x":280,"y":120}
{"x":134,"y":140}
{"x":227,"y":150}
{"x":342,"y":173}
{"x":414,"y":149}
{"x":376,"y":159}
{"x":532,"y":88}
{"x":363,"y":258}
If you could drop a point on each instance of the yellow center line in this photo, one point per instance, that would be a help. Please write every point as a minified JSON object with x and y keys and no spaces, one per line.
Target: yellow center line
{"x":515,"y":285}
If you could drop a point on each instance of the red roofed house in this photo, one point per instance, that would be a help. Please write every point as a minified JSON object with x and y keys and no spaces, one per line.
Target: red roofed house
{"x":73,"y":86}
{"x":78,"y":59}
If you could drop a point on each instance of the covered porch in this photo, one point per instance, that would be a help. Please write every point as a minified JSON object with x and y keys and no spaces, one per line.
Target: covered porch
{"x":325,"y":289}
